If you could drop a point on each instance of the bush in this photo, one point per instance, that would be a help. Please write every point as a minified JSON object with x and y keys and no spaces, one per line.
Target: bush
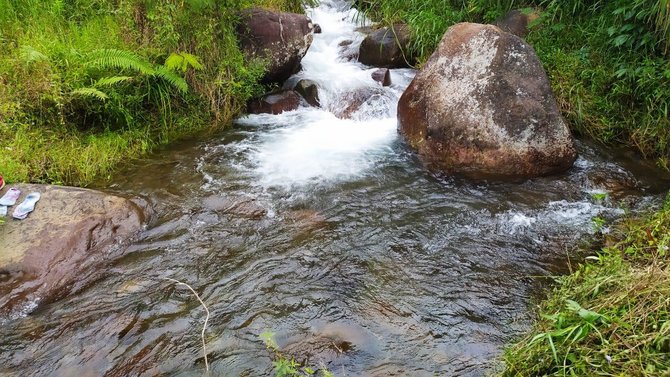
{"x":104,"y":81}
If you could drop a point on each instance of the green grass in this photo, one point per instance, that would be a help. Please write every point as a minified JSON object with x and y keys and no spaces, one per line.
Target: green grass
{"x":610,"y":317}
{"x":87,"y":85}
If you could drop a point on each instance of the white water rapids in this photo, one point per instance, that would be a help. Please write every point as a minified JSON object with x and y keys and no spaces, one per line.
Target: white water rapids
{"x":311,"y":144}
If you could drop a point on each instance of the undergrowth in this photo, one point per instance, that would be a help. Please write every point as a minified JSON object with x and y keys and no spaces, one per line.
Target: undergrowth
{"x":86,"y":85}
{"x":608,"y":61}
{"x":611,"y":317}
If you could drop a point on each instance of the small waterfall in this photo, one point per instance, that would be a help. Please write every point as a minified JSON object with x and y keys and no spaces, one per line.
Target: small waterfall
{"x":314,"y":145}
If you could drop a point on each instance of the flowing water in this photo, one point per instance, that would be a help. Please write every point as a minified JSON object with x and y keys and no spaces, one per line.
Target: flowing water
{"x":332,"y":235}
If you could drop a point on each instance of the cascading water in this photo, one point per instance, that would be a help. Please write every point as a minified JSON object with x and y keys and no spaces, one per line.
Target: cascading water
{"x":329,"y":233}
{"x":312,"y":145}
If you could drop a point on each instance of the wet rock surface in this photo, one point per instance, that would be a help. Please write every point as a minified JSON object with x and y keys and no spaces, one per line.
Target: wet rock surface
{"x":387,"y":48}
{"x":354,"y":101}
{"x":237,"y":206}
{"x":275,"y":103}
{"x":282,"y":38}
{"x":309,"y":91}
{"x":69,"y":235}
{"x":382,"y":76}
{"x":482,"y":106}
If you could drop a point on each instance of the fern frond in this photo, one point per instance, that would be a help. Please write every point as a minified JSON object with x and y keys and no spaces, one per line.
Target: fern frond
{"x":112,"y":80}
{"x":30,"y":55}
{"x":172,"y":78}
{"x":181,"y":61}
{"x":90,"y":93}
{"x":126,"y":60}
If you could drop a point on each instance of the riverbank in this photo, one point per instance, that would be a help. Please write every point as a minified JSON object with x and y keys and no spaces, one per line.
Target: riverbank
{"x":611,"y":316}
{"x":87,"y":86}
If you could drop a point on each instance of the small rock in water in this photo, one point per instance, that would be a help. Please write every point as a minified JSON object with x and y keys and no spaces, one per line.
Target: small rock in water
{"x":309,"y":91}
{"x":317,"y":29}
{"x":383,"y":76}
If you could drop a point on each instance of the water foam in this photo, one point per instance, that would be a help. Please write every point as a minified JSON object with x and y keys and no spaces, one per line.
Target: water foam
{"x":312,"y":145}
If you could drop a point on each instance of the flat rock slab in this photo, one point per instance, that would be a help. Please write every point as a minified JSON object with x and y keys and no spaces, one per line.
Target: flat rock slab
{"x":70,"y":230}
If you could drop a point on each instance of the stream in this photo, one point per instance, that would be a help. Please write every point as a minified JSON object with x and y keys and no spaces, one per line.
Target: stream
{"x":331,"y":234}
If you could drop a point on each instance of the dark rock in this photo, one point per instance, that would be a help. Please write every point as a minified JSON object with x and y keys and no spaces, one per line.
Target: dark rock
{"x":282,"y":38}
{"x":317,"y":29}
{"x":274,"y":103}
{"x":482,"y":106}
{"x":383,"y":76}
{"x":309,"y":91}
{"x":387,"y":48}
{"x":516,"y":22}
{"x":63,"y":243}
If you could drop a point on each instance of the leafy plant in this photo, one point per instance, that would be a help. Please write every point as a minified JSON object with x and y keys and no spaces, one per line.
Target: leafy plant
{"x":289,"y":367}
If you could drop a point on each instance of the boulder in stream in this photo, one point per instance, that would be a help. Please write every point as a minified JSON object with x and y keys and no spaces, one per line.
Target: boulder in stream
{"x":282,"y":38}
{"x":482,"y":106}
{"x":309,"y":91}
{"x":387,"y":47}
{"x":62,"y":244}
{"x":275,"y":103}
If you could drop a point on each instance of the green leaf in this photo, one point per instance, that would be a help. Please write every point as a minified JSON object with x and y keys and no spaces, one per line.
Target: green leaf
{"x":172,"y":78}
{"x":268,"y":338}
{"x":90,"y":93}
{"x":112,"y":80}
{"x":30,"y":55}
{"x":124,"y":60}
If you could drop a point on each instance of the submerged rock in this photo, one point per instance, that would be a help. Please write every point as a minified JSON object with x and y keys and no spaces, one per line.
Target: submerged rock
{"x":61,"y":244}
{"x":482,"y":106}
{"x":387,"y":48}
{"x":237,"y":206}
{"x":350,"y":103}
{"x":282,"y":38}
{"x":274,"y":103}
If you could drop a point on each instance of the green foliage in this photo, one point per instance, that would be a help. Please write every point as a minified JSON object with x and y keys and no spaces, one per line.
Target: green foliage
{"x":611,"y":316}
{"x":77,"y":74}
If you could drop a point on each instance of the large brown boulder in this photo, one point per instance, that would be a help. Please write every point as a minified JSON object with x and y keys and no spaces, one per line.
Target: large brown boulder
{"x":482,"y":106}
{"x":62,"y":243}
{"x":281,"y":38}
{"x":387,"y":47}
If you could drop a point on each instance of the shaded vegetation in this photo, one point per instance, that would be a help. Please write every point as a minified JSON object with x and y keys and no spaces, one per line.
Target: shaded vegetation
{"x":608,"y":61}
{"x":85,"y":85}
{"x":612,"y":315}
